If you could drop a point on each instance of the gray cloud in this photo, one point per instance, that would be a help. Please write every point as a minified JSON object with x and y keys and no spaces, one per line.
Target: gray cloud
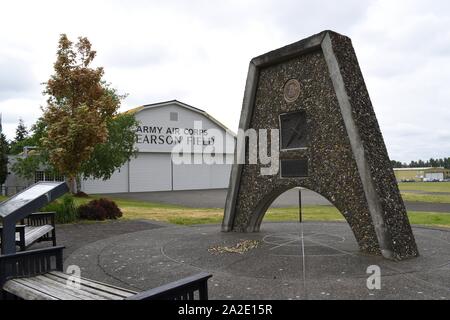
{"x":303,"y":18}
{"x":134,"y":55}
{"x":16,"y":77}
{"x":198,"y":52}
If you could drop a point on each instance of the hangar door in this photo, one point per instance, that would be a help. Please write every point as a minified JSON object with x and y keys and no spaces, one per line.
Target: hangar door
{"x":117,"y":183}
{"x":151,"y":172}
{"x":200,"y":176}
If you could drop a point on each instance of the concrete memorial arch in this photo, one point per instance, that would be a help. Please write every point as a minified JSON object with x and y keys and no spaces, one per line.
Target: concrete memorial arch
{"x":313,"y":91}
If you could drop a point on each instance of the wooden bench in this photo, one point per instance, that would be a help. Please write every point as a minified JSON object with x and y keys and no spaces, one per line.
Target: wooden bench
{"x":36,"y":227}
{"x":55,"y":285}
{"x":37,"y":275}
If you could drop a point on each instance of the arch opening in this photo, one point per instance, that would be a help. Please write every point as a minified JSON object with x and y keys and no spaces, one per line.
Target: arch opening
{"x":285,"y":204}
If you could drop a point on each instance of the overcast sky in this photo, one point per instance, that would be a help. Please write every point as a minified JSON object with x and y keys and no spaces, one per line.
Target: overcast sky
{"x":198,"y":52}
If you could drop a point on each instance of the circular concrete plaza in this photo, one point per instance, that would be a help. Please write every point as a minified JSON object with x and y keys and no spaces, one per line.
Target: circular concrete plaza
{"x":326,"y":264}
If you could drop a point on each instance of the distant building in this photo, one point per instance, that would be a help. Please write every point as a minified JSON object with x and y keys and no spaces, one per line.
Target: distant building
{"x":421,"y":174}
{"x":161,"y":127}
{"x":15,"y":183}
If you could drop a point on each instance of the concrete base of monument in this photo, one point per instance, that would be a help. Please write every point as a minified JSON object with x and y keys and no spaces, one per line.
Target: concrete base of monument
{"x":325,"y":265}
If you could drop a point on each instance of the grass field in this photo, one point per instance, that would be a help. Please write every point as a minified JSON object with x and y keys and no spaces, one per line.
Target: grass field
{"x":441,"y":190}
{"x":190,"y":216}
{"x":426,"y":186}
{"x":181,"y":215}
{"x":134,"y":209}
{"x":432,"y":198}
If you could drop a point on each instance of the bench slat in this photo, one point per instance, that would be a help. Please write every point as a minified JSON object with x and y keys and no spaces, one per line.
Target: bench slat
{"x":32,"y":234}
{"x":36,"y":232}
{"x":52,"y":287}
{"x":56,"y":292}
{"x":98,"y":285}
{"x":89,"y":290}
{"x":25,"y":292}
{"x":45,"y":291}
{"x":63,"y":287}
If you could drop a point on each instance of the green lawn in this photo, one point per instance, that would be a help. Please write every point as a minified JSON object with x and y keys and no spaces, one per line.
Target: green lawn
{"x":425,"y":186}
{"x":315,"y":213}
{"x":432,"y":198}
{"x":435,"y":187}
{"x":326,"y":213}
{"x":134,"y":209}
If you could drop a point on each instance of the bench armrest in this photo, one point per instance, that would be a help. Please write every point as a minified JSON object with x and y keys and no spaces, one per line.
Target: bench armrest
{"x":40,"y":219}
{"x":30,"y":263}
{"x":19,"y":228}
{"x":184,"y":288}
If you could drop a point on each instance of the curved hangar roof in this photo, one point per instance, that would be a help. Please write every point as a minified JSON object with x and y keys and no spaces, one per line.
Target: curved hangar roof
{"x":183,"y":105}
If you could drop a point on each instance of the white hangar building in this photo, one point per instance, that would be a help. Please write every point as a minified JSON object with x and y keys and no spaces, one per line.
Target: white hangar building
{"x":163,"y":127}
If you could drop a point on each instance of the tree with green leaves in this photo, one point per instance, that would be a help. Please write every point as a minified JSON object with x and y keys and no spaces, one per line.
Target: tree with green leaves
{"x":21,"y":131}
{"x":115,"y":152}
{"x":36,"y":159}
{"x":105,"y":159}
{"x":444,"y":162}
{"x":3,"y":158}
{"x":79,"y":106}
{"x":396,"y":164}
{"x":20,"y":140}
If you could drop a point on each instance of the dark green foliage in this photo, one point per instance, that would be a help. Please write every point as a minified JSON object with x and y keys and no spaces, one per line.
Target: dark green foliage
{"x":21,"y":131}
{"x":65,"y":208}
{"x":99,"y":209}
{"x":115,"y":152}
{"x":105,"y":159}
{"x":26,"y":167}
{"x":396,"y":164}
{"x":37,"y":159}
{"x":444,"y":163}
{"x":21,"y":139}
{"x":3,"y":158}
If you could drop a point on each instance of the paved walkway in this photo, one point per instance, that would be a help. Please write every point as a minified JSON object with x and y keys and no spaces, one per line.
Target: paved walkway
{"x":334,"y":268}
{"x":428,"y":207}
{"x":75,"y":236}
{"x":216,"y":199}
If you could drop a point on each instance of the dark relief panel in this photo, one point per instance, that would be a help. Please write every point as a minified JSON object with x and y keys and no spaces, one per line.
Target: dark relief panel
{"x":294,"y":168}
{"x":293,"y":130}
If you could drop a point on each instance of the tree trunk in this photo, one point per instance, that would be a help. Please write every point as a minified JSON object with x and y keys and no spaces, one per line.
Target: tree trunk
{"x":71,"y":182}
{"x":78,"y":183}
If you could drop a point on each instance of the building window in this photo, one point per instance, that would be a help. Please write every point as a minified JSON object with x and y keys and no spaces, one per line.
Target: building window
{"x":47,"y":176}
{"x":58,"y":178}
{"x":39,"y":176}
{"x":174,"y":116}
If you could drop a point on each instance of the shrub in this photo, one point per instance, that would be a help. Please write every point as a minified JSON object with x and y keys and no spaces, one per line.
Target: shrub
{"x":92,"y":211}
{"x":65,"y":208}
{"x":81,"y":194}
{"x":99,"y":209}
{"x":112,"y":210}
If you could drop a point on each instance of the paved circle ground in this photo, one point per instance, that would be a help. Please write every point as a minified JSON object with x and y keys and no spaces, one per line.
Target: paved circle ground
{"x":333,"y":266}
